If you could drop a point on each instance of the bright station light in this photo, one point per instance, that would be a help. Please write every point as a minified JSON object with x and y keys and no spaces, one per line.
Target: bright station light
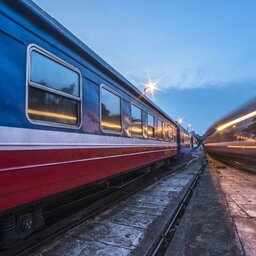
{"x":180,"y":120}
{"x":150,"y":86}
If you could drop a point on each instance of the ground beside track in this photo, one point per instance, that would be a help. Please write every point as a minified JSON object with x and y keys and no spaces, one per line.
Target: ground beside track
{"x":221,"y":216}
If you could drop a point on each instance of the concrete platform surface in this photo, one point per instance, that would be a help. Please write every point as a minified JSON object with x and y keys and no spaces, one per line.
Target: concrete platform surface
{"x":239,"y":188}
{"x":220,"y":219}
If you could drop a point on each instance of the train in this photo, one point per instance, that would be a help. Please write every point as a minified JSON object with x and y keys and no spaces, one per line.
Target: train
{"x":67,"y":119}
{"x":232,"y":139}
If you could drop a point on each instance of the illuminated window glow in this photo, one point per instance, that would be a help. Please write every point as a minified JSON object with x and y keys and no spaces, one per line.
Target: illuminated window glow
{"x":241,"y":147}
{"x":136,"y":116}
{"x":237,"y":120}
{"x":160,"y":129}
{"x":110,"y":126}
{"x":110,"y":111}
{"x":151,"y":126}
{"x":51,"y":114}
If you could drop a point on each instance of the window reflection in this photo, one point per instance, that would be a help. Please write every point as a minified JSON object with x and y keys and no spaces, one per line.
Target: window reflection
{"x":166,"y":135}
{"x":170,"y":132}
{"x":182,"y":137}
{"x":174,"y":134}
{"x":45,"y":106}
{"x":151,"y":126}
{"x":136,"y":121}
{"x":47,"y":72}
{"x":160,"y":129}
{"x":110,"y":111}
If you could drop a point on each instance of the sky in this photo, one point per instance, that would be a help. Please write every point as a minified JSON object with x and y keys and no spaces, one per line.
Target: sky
{"x":201,"y":53}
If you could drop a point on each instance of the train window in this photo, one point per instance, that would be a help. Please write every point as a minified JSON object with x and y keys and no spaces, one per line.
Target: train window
{"x":50,"y":107}
{"x":54,"y":95}
{"x":136,"y":120}
{"x":169,"y":132}
{"x":151,"y":126}
{"x":182,"y":138}
{"x":110,"y":111}
{"x":160,"y":129}
{"x":166,"y":135}
{"x":174,"y":134}
{"x":48,"y":72}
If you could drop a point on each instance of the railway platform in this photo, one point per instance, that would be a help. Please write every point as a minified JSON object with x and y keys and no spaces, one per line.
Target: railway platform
{"x":221,"y":216}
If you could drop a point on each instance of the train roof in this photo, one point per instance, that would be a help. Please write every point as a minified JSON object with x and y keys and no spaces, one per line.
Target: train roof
{"x":43,"y":17}
{"x":236,"y":113}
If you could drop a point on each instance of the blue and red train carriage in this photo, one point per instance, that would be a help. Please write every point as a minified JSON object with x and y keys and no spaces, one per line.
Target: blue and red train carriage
{"x":68,"y":119}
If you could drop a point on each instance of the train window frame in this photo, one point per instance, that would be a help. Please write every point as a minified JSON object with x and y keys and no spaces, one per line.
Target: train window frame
{"x":154,"y":126}
{"x":142,"y":126}
{"x":106,"y":131}
{"x":162,"y":137}
{"x":34,"y":47}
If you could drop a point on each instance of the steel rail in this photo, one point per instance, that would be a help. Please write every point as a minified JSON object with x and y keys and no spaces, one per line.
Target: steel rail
{"x":161,"y":246}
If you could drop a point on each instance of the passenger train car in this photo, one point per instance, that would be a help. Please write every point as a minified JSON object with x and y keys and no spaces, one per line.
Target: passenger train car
{"x":232,"y":139}
{"x":67,"y":118}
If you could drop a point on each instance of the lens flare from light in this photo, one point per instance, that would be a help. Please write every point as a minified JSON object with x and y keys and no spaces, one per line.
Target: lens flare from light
{"x":180,"y":120}
{"x":150,"y":86}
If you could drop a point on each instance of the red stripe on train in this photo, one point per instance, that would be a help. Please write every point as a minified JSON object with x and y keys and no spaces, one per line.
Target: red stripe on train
{"x":11,"y":159}
{"x":24,"y":185}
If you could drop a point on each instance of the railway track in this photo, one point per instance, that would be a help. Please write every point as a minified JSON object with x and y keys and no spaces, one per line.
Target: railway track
{"x":160,"y":237}
{"x":127,"y":203}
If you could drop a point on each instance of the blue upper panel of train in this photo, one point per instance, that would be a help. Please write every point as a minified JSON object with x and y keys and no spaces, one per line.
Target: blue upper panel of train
{"x":37,"y":52}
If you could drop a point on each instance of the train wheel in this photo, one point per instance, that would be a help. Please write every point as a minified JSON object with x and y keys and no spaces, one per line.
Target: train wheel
{"x":19,"y":226}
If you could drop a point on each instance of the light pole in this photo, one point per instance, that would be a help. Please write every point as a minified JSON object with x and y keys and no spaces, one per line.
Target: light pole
{"x":188,"y":127}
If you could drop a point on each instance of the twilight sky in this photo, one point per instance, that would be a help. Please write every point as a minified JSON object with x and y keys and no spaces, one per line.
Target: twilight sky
{"x":203,"y":53}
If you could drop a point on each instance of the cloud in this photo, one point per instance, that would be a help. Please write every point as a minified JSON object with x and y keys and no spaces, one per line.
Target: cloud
{"x":190,"y":79}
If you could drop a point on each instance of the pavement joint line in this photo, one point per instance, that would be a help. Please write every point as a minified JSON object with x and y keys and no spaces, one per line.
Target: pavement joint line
{"x":235,"y":226}
{"x":241,"y":208}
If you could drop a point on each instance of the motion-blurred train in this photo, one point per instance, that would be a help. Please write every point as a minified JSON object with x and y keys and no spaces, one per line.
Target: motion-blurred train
{"x":233,"y":138}
{"x":67,"y":118}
